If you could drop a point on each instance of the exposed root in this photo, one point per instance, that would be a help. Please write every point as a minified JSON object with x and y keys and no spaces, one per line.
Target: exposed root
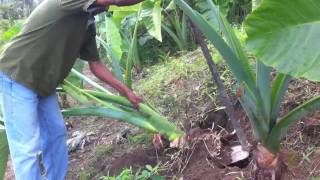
{"x":269,"y":165}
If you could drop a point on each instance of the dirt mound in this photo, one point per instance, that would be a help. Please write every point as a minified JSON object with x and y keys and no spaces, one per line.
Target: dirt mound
{"x":136,"y":159}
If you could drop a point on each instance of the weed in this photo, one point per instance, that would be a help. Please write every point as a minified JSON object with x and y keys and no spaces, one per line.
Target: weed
{"x":84,"y":175}
{"x":306,"y":155}
{"x":141,"y":138}
{"x":127,"y":174}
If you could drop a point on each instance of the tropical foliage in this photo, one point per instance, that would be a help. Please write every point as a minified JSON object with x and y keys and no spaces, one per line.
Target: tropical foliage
{"x":101,"y":102}
{"x":118,"y":36}
{"x":260,"y":97}
{"x":282,"y":35}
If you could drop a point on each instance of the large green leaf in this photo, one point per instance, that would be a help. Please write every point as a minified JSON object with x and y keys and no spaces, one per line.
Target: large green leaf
{"x":74,"y":92}
{"x":279,"y":88}
{"x":212,"y":14}
{"x":151,"y":17}
{"x":255,"y":3}
{"x":120,"y":108}
{"x":209,"y":12}
{"x":116,"y":68}
{"x":285,"y":34}
{"x":235,"y":57}
{"x":113,"y":37}
{"x":131,"y":118}
{"x":150,"y":123}
{"x":264,"y":87}
{"x":134,"y":8}
{"x":241,"y":72}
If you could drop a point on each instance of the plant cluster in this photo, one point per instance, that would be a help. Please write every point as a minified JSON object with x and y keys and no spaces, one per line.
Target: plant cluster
{"x":149,"y":172}
{"x":281,"y":40}
{"x":259,"y":94}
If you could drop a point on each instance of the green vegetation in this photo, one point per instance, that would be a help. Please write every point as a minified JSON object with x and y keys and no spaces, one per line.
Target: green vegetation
{"x":166,"y":73}
{"x":273,"y":40}
{"x":117,"y":107}
{"x":127,"y":174}
{"x":141,"y":138}
{"x":260,"y":97}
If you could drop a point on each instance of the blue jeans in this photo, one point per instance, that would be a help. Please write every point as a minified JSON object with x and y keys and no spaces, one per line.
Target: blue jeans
{"x":35,"y":130}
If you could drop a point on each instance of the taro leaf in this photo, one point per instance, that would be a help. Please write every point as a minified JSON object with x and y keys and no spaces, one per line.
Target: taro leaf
{"x":285,"y":35}
{"x":210,"y":12}
{"x":151,"y":17}
{"x":149,"y":120}
{"x":240,"y":69}
{"x":4,"y":151}
{"x":134,"y":8}
{"x":113,"y":37}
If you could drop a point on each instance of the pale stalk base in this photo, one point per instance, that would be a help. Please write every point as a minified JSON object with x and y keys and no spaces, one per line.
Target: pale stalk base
{"x":269,"y":165}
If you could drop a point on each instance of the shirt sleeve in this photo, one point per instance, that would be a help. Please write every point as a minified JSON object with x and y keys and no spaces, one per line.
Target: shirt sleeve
{"x":76,"y":5}
{"x":89,"y":51}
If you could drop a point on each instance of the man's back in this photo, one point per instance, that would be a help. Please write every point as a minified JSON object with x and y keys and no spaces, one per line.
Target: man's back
{"x":43,"y":53}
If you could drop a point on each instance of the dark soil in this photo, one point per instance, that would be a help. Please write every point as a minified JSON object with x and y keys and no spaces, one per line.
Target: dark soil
{"x":136,"y":159}
{"x":206,"y":156}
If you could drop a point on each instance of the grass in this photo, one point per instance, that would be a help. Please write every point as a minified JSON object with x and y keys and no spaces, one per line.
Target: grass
{"x":141,"y":137}
{"x":180,"y":84}
{"x":181,"y":88}
{"x":162,"y":75}
{"x":147,"y":173}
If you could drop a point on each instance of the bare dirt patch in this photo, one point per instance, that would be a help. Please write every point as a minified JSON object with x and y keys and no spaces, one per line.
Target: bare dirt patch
{"x":207,"y":158}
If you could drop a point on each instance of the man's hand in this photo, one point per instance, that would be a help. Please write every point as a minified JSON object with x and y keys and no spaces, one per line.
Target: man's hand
{"x":135,"y":100}
{"x":102,"y":72}
{"x":118,"y":2}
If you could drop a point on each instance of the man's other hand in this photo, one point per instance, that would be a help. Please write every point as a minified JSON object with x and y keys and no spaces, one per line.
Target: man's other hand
{"x":135,"y":100}
{"x":100,"y":70}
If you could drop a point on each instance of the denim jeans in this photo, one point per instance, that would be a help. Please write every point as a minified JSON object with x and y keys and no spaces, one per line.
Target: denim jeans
{"x":35,"y":130}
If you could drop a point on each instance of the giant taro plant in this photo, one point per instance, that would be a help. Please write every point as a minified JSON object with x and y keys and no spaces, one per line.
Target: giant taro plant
{"x":283,"y":38}
{"x":101,"y":102}
{"x":118,"y":35}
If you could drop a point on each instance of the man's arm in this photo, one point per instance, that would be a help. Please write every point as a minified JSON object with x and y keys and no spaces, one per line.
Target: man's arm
{"x":118,"y":2}
{"x":102,"y":72}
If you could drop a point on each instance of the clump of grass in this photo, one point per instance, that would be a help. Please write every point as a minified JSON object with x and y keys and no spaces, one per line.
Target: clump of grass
{"x":182,"y":82}
{"x":147,"y":173}
{"x":164,"y":74}
{"x":141,"y":138}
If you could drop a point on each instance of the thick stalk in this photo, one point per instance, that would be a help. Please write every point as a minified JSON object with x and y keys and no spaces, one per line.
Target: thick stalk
{"x":222,"y":89}
{"x":152,"y":116}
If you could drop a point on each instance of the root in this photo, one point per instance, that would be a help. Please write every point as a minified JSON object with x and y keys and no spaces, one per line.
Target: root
{"x":269,"y":166}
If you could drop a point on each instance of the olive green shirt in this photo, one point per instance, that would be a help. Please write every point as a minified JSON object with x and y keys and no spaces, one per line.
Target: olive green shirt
{"x":52,"y":38}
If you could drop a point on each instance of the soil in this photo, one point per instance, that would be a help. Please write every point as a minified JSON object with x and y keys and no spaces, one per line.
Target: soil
{"x":207,"y":155}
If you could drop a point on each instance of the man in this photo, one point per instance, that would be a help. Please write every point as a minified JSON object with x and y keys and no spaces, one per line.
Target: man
{"x":32,"y":65}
